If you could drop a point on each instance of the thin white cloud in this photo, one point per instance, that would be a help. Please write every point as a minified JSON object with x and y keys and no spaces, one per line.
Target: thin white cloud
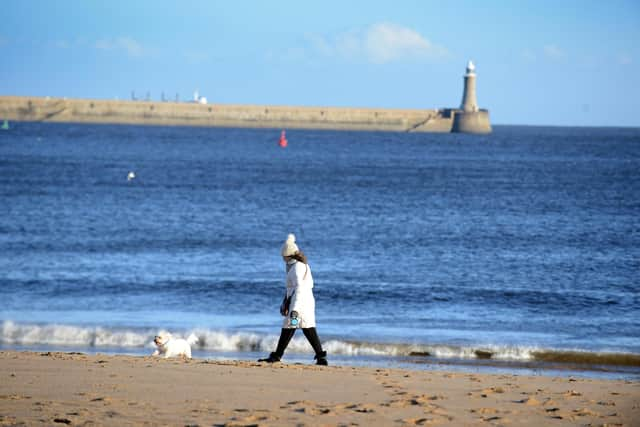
{"x":528,"y":55}
{"x":553,"y":51}
{"x":61,"y":44}
{"x":350,"y":44}
{"x":130,"y":46}
{"x":625,"y":59}
{"x":379,"y":43}
{"x":197,"y":57}
{"x":389,"y":42}
{"x":319,"y":44}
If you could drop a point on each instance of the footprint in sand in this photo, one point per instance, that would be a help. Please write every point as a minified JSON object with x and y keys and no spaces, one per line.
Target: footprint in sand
{"x":585,"y":412}
{"x":254,"y":418}
{"x":491,"y":414}
{"x":9,"y":421}
{"x":484,"y":411}
{"x":13,"y":397}
{"x":530,"y":401}
{"x":418,"y":421}
{"x":104,"y":400}
{"x":485,"y":392}
{"x":307,"y":407}
{"x":363,"y":408}
{"x":494,"y":418}
{"x":238,"y":423}
{"x":416,"y":400}
{"x":78,"y":413}
{"x":111,"y":414}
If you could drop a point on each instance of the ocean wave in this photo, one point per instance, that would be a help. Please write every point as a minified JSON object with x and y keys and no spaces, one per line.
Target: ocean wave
{"x":68,"y":335}
{"x":12,"y":333}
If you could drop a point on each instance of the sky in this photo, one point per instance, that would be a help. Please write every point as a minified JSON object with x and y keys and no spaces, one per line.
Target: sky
{"x":565,"y":63}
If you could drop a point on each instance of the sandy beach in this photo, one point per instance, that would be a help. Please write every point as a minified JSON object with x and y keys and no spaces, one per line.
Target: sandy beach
{"x":78,"y":389}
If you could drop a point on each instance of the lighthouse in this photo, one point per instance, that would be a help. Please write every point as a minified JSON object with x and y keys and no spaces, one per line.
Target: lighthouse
{"x":469,"y":118}
{"x":469,"y":100}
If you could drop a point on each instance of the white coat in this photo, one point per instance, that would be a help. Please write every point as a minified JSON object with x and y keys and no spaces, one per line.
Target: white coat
{"x":300,"y":285}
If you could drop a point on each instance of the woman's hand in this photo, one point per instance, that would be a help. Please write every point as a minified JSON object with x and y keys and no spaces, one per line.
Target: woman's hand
{"x":284,"y":307}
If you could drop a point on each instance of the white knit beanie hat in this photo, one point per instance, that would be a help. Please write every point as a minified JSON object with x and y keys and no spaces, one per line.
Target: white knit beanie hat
{"x":289,"y":247}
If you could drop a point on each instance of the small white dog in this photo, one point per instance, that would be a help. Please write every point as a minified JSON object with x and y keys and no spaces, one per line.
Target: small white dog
{"x":167,"y":346}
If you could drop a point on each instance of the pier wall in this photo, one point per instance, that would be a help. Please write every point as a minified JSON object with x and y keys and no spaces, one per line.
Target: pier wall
{"x":222,"y":115}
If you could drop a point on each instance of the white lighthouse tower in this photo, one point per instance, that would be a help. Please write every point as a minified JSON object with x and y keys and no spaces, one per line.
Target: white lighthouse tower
{"x":469,"y":100}
{"x":469,"y":118}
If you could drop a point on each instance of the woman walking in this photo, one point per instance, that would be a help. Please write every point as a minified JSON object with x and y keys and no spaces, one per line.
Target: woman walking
{"x":298,"y":306}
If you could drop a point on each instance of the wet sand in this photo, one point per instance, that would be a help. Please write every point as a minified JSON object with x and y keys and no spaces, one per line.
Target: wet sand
{"x":78,"y":389}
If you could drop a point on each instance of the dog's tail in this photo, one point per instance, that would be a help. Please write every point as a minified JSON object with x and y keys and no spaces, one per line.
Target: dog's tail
{"x":192,"y":339}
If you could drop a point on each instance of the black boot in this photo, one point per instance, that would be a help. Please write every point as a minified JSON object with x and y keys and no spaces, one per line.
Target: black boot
{"x":271,"y":359}
{"x":321,"y":359}
{"x":312,"y":336}
{"x":283,"y":342}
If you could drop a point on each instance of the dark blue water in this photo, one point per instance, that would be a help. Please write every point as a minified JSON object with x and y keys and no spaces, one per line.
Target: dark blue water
{"x":522,"y":241}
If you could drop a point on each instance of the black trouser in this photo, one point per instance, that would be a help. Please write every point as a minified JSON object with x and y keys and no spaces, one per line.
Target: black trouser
{"x":287,"y":333}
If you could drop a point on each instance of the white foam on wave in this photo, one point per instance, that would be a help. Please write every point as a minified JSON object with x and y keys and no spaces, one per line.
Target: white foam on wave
{"x":438,"y":351}
{"x":12,"y":333}
{"x":364,"y":349}
{"x":67,"y":335}
{"x":241,"y":341}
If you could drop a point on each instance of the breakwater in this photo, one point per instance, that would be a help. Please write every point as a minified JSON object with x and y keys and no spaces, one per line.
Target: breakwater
{"x":18,"y":108}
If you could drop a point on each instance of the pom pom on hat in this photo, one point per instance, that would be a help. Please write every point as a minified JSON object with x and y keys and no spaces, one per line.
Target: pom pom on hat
{"x":289,"y":247}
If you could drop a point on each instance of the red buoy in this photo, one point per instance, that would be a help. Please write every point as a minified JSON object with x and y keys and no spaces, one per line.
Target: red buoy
{"x":283,"y":140}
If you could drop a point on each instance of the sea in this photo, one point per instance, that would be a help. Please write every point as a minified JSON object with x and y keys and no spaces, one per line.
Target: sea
{"x":517,"y":251}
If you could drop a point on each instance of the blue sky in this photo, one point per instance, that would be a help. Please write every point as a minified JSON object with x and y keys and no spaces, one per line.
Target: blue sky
{"x":538,"y":62}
